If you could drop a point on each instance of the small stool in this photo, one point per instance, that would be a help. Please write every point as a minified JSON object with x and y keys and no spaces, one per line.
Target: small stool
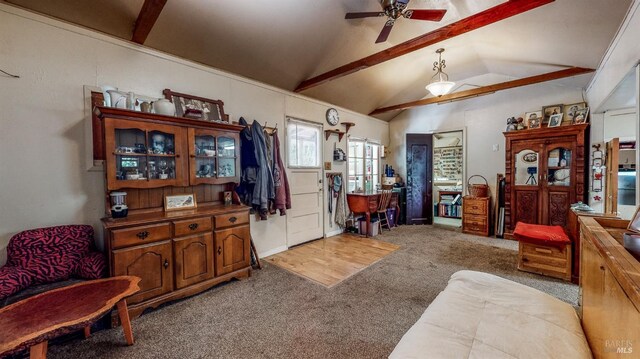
{"x":543,"y":250}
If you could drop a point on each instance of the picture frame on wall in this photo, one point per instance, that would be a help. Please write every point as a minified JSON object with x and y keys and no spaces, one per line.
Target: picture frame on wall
{"x":195,"y":107}
{"x":533,"y":119}
{"x":581,"y":116}
{"x":548,"y":111}
{"x":570,"y":112}
{"x":180,"y":201}
{"x":555,"y":120}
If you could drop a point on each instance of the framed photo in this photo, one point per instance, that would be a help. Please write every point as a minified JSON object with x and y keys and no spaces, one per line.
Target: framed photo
{"x":548,"y":111}
{"x":634,"y":224}
{"x":555,"y":120}
{"x":180,"y":201}
{"x":581,"y":116}
{"x":195,"y":107}
{"x":533,"y":119}
{"x":570,"y":112}
{"x":227,"y":198}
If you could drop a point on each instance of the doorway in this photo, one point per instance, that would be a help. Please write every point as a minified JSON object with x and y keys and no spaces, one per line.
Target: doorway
{"x":448,"y":177}
{"x":419,"y":174}
{"x":304,"y":157}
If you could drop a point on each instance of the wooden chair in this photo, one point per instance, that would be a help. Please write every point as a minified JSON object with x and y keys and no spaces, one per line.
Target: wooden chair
{"x":385,"y":198}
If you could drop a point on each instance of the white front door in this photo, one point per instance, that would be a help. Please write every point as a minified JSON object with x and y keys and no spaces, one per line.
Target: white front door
{"x":304,"y":219}
{"x":304,"y":158}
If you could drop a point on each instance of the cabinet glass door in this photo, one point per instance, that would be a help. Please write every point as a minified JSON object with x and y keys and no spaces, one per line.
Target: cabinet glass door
{"x":144,"y":155}
{"x":205,"y":152}
{"x":226,"y":153}
{"x":527,"y":168}
{"x":130,"y":154}
{"x":559,"y":166}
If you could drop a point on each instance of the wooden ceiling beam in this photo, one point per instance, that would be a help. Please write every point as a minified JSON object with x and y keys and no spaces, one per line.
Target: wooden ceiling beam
{"x":149,"y":13}
{"x":476,"y":21}
{"x":572,"y":71}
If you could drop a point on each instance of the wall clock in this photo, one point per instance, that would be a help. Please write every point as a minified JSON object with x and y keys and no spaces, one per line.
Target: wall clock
{"x":332,"y":117}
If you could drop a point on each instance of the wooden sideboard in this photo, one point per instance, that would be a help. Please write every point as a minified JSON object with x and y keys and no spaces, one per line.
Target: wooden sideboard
{"x":610,"y":289}
{"x":573,"y":230}
{"x":175,"y":253}
{"x":178,"y":254}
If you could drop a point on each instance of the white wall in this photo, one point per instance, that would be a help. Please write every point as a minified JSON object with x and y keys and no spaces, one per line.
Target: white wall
{"x":485,"y":120}
{"x":43,"y":177}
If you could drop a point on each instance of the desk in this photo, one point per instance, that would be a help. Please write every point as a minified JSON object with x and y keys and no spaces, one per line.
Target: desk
{"x":366,"y":203}
{"x":30,"y":323}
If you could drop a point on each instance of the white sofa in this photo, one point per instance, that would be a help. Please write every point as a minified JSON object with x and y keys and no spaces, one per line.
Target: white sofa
{"x":480,"y":315}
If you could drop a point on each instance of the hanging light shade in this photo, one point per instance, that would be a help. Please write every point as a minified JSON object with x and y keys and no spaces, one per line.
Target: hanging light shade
{"x":440,"y":84}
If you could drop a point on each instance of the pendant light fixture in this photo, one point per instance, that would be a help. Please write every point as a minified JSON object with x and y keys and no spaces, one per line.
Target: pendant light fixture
{"x":439,"y":84}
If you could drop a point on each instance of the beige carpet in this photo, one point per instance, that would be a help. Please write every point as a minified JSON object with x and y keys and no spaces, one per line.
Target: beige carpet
{"x":331,"y":260}
{"x":276,"y":314}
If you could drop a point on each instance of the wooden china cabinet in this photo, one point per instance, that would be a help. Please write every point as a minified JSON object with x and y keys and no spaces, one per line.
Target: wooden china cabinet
{"x":545,"y":174}
{"x":176,"y":253}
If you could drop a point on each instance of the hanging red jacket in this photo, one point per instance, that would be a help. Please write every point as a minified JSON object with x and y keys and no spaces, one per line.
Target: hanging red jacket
{"x":281,"y":183}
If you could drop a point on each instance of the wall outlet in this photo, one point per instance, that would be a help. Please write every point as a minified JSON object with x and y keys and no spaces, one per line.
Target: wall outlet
{"x":496,"y":147}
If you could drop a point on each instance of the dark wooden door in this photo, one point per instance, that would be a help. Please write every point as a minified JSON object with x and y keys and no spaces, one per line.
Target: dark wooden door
{"x":193,"y":259}
{"x":419,"y":183}
{"x":152,"y":263}
{"x":232,"y":249}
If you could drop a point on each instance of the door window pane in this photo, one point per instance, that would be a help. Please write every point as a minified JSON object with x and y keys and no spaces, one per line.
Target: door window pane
{"x":559,"y":167}
{"x":303,"y":144}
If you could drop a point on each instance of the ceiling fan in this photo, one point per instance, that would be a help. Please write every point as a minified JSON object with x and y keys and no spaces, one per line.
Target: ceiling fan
{"x":393,"y":9}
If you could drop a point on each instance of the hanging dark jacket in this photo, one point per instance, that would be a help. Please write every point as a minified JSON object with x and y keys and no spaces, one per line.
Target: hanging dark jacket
{"x":283,"y":193}
{"x":248,"y":164}
{"x":263,"y":191}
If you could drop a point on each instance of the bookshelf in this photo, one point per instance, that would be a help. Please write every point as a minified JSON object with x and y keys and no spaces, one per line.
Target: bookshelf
{"x":449,"y":204}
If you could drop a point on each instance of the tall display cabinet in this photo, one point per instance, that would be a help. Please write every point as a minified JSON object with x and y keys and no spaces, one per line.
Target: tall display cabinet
{"x":545,"y":174}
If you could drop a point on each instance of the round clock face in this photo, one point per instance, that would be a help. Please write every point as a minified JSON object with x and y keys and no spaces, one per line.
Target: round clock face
{"x":332,"y":116}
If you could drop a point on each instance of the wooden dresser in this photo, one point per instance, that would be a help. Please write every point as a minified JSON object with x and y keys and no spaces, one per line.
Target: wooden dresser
{"x":181,"y":252}
{"x":178,"y":254}
{"x":476,"y":215}
{"x":610,"y":289}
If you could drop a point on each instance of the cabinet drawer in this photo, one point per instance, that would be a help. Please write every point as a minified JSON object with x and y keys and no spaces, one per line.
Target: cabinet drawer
{"x":475,"y":224}
{"x":192,"y":226}
{"x":140,"y":235}
{"x":472,"y":206}
{"x":231,"y":219}
{"x":546,"y":251}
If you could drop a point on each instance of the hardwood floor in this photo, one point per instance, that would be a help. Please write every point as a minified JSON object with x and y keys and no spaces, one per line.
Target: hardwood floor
{"x":331,"y":260}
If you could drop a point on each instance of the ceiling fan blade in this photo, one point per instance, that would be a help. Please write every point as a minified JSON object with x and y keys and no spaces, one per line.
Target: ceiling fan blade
{"x":386,"y":30}
{"x":359,"y":15}
{"x":429,"y":15}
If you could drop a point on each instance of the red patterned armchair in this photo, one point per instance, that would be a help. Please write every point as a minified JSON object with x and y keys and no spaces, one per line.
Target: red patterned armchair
{"x":47,"y":255}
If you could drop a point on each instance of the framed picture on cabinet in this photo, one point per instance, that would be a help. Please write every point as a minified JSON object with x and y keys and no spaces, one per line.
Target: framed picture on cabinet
{"x":581,"y":116}
{"x":195,"y":107}
{"x":533,"y":119}
{"x":570,"y":112}
{"x":555,"y":120}
{"x":180,"y":201}
{"x":549,"y":111}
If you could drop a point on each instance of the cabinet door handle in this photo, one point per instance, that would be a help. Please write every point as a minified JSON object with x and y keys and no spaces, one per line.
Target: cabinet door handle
{"x":601,"y":267}
{"x":219,"y":250}
{"x":166,"y":264}
{"x":233,"y":219}
{"x":193,"y":226}
{"x":142,"y":235}
{"x":177,"y":155}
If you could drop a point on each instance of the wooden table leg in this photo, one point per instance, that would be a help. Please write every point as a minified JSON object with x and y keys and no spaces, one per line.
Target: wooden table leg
{"x":123,"y":313}
{"x":367,"y":216}
{"x":38,"y":351}
{"x":87,"y":331}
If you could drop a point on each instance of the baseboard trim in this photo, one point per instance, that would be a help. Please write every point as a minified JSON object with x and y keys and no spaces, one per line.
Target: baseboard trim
{"x":333,"y":233}
{"x":273,"y":251}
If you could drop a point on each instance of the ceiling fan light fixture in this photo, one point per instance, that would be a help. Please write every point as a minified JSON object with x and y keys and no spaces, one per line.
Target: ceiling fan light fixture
{"x":440,"y":84}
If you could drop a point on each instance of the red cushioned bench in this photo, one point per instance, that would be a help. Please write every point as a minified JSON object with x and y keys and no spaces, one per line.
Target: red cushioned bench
{"x":544,"y":250}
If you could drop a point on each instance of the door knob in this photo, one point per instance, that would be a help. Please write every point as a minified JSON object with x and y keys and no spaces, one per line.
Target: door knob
{"x":166,"y":263}
{"x":219,"y":250}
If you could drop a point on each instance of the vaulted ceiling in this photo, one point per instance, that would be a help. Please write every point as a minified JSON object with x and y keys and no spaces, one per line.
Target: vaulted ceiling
{"x":285,"y":42}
